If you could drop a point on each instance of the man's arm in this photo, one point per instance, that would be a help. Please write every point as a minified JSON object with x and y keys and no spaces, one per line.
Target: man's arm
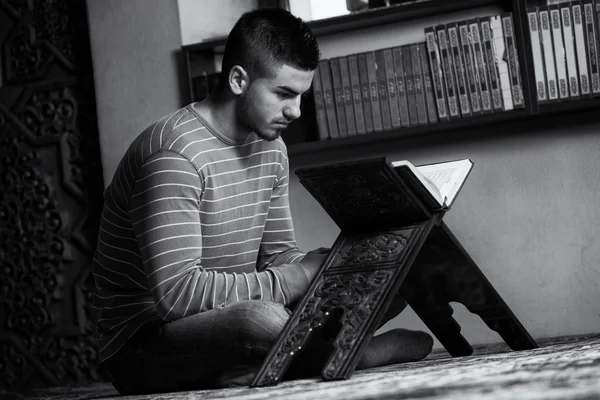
{"x":164,"y":211}
{"x":278,"y":247}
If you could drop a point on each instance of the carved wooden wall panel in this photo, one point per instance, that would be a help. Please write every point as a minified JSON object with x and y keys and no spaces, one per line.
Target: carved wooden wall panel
{"x":50,"y":194}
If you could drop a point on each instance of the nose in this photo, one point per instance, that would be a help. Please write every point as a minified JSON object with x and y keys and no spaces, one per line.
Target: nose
{"x":292,"y":110}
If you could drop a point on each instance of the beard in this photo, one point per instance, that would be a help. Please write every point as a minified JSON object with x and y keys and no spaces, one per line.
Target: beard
{"x":247,"y":116}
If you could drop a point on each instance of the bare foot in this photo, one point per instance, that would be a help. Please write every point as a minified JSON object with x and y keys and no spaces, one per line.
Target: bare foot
{"x":396,"y":346}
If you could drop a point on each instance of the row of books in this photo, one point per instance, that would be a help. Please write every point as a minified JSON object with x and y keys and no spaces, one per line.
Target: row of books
{"x":463,"y":68}
{"x":564,"y":47}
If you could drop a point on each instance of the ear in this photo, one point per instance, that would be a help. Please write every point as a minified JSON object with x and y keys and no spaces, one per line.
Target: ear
{"x":238,"y":80}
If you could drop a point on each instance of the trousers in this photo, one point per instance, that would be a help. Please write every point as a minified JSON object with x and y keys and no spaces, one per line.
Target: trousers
{"x":192,"y":353}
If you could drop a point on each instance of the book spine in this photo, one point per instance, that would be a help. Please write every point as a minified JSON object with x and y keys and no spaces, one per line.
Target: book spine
{"x":501,"y":62}
{"x":592,"y":42}
{"x":459,"y":66}
{"x":338,"y":96}
{"x":321,"y":116}
{"x":559,"y":53}
{"x":536,"y":53}
{"x":471,"y":72}
{"x":492,"y":67}
{"x":581,"y":50}
{"x":401,"y":87}
{"x":427,"y":84}
{"x":347,"y":96}
{"x":365,"y":91}
{"x":356,"y":94}
{"x":374,"y":87}
{"x":597,"y":26}
{"x":513,"y":60}
{"x":479,"y":55}
{"x":326,"y":83}
{"x":548,"y":50}
{"x":390,"y":76}
{"x":436,"y":73}
{"x":410,"y":86}
{"x":569,"y":40}
{"x":382,"y":87}
{"x":415,"y":57}
{"x":449,"y":73}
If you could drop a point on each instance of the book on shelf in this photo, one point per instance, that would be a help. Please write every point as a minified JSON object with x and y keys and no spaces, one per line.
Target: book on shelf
{"x":559,"y":53}
{"x":327,"y":87}
{"x":401,"y":86}
{"x":548,"y":47}
{"x":501,"y":61}
{"x":569,"y":41}
{"x":320,"y":115}
{"x":480,"y":66}
{"x":470,"y":70}
{"x":427,"y":84}
{"x":435,"y":65}
{"x":436,"y":184}
{"x":374,"y":88}
{"x":591,"y":35}
{"x":356,"y":94}
{"x":347,"y":96}
{"x":409,"y":77}
{"x":581,"y":47}
{"x":448,"y":71}
{"x":415,"y":58}
{"x":382,"y":87}
{"x":365,"y":92}
{"x":459,"y":64}
{"x":390,"y":75}
{"x":487,"y":42}
{"x":514,"y":68}
{"x":338,"y":97}
{"x":536,"y":54}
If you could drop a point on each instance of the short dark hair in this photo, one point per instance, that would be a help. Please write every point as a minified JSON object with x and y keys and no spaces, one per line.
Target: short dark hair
{"x":268,"y":37}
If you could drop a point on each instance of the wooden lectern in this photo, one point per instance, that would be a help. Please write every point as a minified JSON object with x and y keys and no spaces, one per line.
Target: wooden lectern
{"x":391,"y":242}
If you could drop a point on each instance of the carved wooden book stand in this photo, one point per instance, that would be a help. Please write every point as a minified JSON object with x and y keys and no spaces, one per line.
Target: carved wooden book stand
{"x":390,"y":243}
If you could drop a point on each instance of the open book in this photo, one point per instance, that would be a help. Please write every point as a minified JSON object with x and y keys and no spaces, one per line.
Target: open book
{"x":442,"y":181}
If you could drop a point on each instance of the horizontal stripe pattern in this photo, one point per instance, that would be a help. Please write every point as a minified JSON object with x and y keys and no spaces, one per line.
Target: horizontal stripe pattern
{"x":192,"y":221}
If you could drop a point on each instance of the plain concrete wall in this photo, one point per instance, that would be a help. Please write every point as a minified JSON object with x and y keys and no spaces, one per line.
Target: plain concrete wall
{"x":136,"y":70}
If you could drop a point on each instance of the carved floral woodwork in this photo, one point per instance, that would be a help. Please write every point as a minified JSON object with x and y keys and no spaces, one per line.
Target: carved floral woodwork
{"x":50,"y":196}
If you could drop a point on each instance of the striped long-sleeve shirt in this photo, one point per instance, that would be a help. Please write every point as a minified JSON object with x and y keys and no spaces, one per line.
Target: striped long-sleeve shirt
{"x":192,"y":221}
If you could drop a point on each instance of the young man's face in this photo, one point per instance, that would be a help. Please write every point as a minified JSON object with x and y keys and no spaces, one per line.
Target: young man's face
{"x":270,"y":103}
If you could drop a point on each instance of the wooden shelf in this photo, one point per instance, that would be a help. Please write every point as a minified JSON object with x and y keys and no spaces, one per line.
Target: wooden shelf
{"x":318,"y":146}
{"x":574,"y":105}
{"x":395,"y":13}
{"x":373,"y":17}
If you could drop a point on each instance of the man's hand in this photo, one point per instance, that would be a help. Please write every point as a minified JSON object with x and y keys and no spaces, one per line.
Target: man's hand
{"x":313,"y":260}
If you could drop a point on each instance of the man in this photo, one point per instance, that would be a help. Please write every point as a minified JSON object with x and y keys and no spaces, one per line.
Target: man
{"x":197,"y":266}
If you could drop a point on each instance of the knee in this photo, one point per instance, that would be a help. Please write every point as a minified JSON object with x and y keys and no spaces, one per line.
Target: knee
{"x":261,"y":321}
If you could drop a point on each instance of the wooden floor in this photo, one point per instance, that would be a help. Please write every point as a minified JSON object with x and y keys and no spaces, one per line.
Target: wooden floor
{"x":562,"y":368}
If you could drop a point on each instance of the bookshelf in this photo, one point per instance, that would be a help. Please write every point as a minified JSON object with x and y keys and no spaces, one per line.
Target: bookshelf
{"x":302,"y":136}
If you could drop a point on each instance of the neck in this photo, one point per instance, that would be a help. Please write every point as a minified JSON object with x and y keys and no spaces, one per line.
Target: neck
{"x":220,"y":113}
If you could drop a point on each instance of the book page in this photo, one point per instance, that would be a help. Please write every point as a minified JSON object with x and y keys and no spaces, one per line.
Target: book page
{"x":447,"y":177}
{"x":443,"y":180}
{"x":430,"y":186}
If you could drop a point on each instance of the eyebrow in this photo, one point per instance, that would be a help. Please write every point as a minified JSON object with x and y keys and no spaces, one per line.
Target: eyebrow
{"x":288,"y":89}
